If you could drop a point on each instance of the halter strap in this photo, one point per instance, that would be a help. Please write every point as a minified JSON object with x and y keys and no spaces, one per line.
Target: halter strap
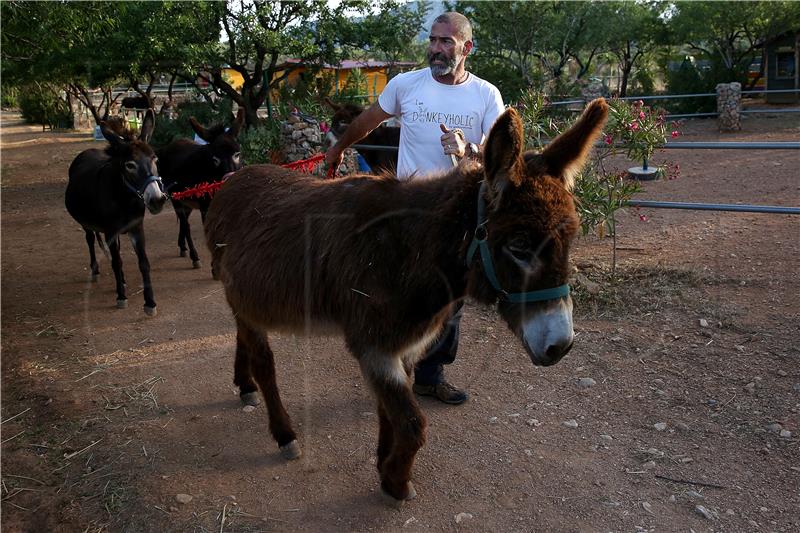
{"x":480,"y":242}
{"x":140,"y":192}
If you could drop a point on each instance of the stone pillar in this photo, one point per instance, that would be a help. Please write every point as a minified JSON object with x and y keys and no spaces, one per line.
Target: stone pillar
{"x":729,"y":106}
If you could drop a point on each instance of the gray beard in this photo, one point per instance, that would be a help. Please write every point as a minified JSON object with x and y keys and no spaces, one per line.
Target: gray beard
{"x":443,"y":70}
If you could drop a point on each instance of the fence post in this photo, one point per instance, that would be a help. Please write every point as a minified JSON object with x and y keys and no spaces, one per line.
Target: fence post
{"x":729,"y":106}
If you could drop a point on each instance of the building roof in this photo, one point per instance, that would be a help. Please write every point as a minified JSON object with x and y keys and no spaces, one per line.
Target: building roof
{"x":348,"y":64}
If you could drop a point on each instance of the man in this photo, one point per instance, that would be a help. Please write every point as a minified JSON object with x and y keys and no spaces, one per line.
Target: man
{"x":445,"y":112}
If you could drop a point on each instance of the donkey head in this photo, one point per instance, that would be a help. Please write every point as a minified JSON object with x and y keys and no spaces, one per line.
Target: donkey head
{"x":343,"y":115}
{"x":137,"y":160}
{"x":527,"y":226}
{"x":225,"y":149}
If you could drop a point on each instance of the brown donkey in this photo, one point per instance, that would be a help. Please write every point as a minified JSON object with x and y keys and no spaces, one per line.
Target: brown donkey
{"x":383,"y":261}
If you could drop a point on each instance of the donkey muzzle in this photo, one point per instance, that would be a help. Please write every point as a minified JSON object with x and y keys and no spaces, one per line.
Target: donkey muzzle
{"x":153,"y":195}
{"x":549,"y":335}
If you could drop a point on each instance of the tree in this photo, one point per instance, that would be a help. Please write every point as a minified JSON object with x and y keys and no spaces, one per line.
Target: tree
{"x":631,"y":30}
{"x":391,"y":33}
{"x":531,"y":37}
{"x":86,"y":46}
{"x":258,"y":33}
{"x":730,"y":33}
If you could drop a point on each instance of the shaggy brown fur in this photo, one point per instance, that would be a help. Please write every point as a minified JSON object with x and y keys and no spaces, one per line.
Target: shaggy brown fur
{"x":383,"y":261}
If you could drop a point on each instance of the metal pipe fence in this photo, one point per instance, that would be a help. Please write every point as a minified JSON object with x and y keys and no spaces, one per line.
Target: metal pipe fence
{"x":741,"y":208}
{"x":695,"y":206}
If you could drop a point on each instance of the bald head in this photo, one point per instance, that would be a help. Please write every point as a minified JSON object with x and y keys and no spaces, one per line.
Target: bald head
{"x":459,"y":23}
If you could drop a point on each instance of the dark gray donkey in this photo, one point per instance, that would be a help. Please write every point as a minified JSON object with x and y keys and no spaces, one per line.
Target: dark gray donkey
{"x":107,"y":193}
{"x":185,"y":164}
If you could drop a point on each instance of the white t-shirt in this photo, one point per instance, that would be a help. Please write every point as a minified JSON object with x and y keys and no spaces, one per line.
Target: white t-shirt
{"x":422,"y":103}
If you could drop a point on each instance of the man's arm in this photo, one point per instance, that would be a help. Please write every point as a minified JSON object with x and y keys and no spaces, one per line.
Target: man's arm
{"x":364,"y":123}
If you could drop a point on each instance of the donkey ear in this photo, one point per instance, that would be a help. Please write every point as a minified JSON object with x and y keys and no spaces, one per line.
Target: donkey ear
{"x":111,"y":134}
{"x":565,"y":156}
{"x":148,"y":125}
{"x":502,"y":158}
{"x":199,"y":130}
{"x":236,"y":126}
{"x":333,"y":106}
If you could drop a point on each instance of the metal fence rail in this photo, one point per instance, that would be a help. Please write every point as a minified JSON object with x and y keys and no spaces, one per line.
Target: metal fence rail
{"x":742,"y":208}
{"x":731,"y":145}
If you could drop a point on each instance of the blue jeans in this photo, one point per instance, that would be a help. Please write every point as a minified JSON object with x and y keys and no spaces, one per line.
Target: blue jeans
{"x":430,"y":369}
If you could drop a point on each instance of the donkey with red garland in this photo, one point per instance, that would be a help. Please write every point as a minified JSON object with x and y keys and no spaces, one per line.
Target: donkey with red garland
{"x":107,"y":193}
{"x":385,"y":260}
{"x":185,"y":164}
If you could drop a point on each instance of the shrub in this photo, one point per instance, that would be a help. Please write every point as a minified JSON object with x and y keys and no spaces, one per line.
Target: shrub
{"x":261,"y":144}
{"x":599,"y":193}
{"x":10,"y":96}
{"x":41,"y":103}
{"x":688,"y":79}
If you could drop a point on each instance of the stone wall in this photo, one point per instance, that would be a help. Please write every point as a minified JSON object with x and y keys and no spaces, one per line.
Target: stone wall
{"x":729,"y":106}
{"x":302,"y":138}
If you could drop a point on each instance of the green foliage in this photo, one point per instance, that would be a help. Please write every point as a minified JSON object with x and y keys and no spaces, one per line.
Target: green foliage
{"x":389,"y":34}
{"x":639,"y":128}
{"x":688,"y":79}
{"x":168,"y":130}
{"x":356,"y":87}
{"x":262,"y":143}
{"x":729,"y":33}
{"x":41,"y":103}
{"x":10,"y":97}
{"x":599,"y":193}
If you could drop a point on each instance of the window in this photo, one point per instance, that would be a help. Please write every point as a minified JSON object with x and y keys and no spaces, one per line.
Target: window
{"x":784,"y":65}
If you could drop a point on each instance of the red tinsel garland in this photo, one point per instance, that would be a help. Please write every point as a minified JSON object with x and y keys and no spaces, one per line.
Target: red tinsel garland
{"x":198,"y":191}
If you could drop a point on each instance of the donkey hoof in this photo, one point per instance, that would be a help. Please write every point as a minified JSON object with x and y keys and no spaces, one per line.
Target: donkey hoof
{"x":291,"y":451}
{"x":250,"y":398}
{"x":150,"y":311}
{"x":122,"y":304}
{"x":196,"y":264}
{"x":182,"y":253}
{"x":397,"y":503}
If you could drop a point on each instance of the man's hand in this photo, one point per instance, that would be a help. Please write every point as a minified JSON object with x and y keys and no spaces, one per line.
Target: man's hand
{"x":453,"y":141}
{"x":334,"y":157}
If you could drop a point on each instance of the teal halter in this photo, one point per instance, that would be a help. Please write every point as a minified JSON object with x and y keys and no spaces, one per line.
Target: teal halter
{"x":479,"y":241}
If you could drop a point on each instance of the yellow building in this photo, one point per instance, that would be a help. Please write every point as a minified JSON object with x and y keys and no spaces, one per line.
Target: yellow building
{"x":374,"y":72}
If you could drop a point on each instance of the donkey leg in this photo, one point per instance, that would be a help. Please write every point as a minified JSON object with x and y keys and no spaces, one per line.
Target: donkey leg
{"x":181,"y":229}
{"x":385,"y":437}
{"x":388,"y":379}
{"x":242,"y":375}
{"x":137,"y":238}
{"x":262,"y":365}
{"x":116,"y":264}
{"x":95,"y":268}
{"x":189,"y":242}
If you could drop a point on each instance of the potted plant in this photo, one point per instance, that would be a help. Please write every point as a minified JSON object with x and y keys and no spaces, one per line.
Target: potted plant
{"x":639,"y":130}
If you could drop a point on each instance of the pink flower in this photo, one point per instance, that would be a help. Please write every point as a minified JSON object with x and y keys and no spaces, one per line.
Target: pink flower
{"x":642,"y":217}
{"x":642,"y":115}
{"x":608,"y":139}
{"x":675,"y":133}
{"x":323,"y":127}
{"x":634,"y":126}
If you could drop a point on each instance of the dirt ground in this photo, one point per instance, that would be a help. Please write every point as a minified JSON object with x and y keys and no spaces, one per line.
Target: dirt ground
{"x":692,"y":423}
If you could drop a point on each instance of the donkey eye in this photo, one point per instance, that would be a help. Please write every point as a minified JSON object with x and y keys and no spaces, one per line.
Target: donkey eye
{"x":217,"y":161}
{"x":130,"y":166}
{"x":520,"y":249}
